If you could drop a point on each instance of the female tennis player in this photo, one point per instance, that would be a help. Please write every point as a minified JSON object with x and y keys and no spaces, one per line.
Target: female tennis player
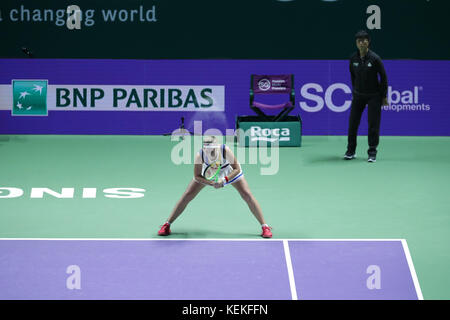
{"x":215,"y":165}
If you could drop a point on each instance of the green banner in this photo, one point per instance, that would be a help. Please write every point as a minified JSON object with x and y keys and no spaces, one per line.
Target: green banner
{"x":261,"y":134}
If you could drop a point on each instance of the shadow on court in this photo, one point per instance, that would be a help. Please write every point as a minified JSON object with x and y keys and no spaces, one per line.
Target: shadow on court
{"x":185,"y":234}
{"x":4,"y":139}
{"x":327,"y":159}
{"x":18,"y":138}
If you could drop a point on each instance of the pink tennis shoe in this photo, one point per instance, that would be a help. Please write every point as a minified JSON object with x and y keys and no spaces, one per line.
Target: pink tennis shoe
{"x":266,"y":233}
{"x":165,"y":230}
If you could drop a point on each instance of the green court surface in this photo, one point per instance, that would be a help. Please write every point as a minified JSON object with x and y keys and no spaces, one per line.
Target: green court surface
{"x":314,"y":195}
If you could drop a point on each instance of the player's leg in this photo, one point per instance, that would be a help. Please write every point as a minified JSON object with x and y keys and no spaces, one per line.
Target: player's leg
{"x":356,"y":111}
{"x":191,"y":192}
{"x":242,"y":187}
{"x":374,"y":117}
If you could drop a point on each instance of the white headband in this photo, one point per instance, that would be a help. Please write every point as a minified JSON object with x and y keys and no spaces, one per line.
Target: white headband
{"x":211,"y":146}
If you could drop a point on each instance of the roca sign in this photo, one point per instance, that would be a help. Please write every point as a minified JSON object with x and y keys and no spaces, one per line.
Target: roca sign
{"x":318,"y":97}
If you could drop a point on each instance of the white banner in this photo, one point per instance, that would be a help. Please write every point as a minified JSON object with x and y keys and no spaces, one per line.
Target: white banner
{"x":127,"y":98}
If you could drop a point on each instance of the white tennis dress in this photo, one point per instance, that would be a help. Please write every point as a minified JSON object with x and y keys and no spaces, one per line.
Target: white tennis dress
{"x":224,"y":164}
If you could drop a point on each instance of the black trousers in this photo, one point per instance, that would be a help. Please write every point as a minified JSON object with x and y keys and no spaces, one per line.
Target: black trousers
{"x":374,"y":116}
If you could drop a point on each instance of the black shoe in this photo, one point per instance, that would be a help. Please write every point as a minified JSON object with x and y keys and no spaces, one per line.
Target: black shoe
{"x":372,"y":158}
{"x":349,"y":156}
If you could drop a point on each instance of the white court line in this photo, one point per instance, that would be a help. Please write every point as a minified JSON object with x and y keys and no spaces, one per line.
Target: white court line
{"x":412,"y":270}
{"x":194,"y":239}
{"x":287,"y":254}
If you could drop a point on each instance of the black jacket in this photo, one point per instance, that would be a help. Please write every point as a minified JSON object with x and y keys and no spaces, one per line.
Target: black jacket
{"x":364,"y":73}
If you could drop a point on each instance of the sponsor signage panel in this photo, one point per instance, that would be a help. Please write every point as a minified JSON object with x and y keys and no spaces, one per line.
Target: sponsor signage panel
{"x":213,"y":91}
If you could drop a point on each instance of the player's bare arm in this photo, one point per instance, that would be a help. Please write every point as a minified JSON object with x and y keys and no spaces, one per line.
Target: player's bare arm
{"x":198,"y":174}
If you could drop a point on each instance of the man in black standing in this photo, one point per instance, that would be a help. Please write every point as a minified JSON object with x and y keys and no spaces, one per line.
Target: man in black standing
{"x":365,"y":66}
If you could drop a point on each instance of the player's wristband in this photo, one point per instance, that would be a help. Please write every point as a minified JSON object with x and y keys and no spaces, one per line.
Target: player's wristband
{"x":226,"y":179}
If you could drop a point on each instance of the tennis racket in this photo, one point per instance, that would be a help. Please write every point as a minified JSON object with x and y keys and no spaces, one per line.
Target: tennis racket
{"x":212,"y":171}
{"x":214,"y":157}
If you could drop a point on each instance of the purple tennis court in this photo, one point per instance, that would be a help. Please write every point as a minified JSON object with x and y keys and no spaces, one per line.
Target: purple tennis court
{"x":70,"y":269}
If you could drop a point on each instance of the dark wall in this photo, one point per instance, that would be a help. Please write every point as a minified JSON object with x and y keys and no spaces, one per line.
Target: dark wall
{"x":232,"y":29}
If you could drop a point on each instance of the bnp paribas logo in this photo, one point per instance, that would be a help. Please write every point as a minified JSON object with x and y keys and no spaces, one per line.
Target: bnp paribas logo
{"x":29,"y":97}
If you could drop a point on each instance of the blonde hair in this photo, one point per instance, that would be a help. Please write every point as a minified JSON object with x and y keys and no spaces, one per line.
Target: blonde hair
{"x":209,"y":140}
